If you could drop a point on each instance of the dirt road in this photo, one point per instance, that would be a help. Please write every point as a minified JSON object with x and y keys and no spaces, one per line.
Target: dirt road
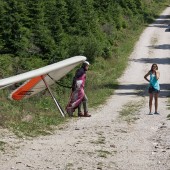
{"x":107,"y":140}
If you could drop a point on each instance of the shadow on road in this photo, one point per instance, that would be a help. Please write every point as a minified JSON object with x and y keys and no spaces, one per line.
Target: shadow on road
{"x":139,"y":90}
{"x":153,"y":60}
{"x":163,"y":21}
{"x":164,"y":17}
{"x":163,"y":46}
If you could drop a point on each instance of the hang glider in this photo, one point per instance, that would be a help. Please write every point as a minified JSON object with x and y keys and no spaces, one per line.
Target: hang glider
{"x":41,"y":79}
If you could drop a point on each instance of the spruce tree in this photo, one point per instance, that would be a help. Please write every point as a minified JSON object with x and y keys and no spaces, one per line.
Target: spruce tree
{"x":43,"y":44}
{"x":14,"y":31}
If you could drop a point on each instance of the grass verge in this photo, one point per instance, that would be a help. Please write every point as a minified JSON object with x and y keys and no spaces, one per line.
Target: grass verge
{"x":130,"y":110}
{"x":2,"y":145}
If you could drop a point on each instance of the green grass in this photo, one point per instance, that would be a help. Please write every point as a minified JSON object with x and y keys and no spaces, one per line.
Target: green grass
{"x":69,"y":166}
{"x":103,"y":153}
{"x":31,"y":117}
{"x":130,"y":111}
{"x":2,"y":145}
{"x":100,"y":140}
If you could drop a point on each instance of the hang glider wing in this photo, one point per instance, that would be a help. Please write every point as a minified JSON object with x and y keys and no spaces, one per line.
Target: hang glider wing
{"x":40,"y":79}
{"x":58,"y":70}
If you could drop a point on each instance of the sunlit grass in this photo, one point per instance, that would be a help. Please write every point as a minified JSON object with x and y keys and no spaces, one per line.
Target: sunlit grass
{"x":103,"y":153}
{"x":130,"y":111}
{"x":2,"y":145}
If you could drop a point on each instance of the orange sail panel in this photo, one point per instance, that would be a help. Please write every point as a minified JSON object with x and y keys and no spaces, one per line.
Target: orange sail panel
{"x":25,"y":89}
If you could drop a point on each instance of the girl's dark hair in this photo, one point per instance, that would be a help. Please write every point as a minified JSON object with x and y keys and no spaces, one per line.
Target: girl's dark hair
{"x":153,"y":66}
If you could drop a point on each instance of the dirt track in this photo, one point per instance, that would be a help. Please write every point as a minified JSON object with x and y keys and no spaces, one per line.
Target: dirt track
{"x":107,"y":141}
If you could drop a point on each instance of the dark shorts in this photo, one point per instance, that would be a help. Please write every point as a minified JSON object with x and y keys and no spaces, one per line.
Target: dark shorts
{"x":153,"y":90}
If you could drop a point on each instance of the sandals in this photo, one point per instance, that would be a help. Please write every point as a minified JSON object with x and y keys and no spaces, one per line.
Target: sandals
{"x":80,"y":114}
{"x":83,"y":115}
{"x":87,"y":115}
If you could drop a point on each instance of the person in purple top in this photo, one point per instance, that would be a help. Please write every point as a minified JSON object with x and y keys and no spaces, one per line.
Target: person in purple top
{"x":78,"y":96}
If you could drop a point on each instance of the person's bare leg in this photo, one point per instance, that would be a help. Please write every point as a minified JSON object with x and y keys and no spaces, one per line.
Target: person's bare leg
{"x":156,"y":102}
{"x":150,"y":102}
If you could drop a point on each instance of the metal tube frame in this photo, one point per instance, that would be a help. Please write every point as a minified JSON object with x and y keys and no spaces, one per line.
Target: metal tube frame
{"x":55,"y":100}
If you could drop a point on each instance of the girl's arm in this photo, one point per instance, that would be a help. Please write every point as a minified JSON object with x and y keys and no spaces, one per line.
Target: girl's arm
{"x":157,"y":73}
{"x":146,"y":76}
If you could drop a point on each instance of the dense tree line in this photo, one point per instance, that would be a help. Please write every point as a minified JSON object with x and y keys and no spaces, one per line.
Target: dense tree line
{"x":52,"y":30}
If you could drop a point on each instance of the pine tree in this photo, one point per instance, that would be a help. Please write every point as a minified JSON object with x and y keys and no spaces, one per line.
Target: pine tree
{"x":2,"y":14}
{"x":14,"y":33}
{"x":57,"y":20}
{"x":42,"y":42}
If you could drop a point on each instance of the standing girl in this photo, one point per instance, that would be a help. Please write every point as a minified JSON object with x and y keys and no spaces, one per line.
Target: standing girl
{"x":154,"y":87}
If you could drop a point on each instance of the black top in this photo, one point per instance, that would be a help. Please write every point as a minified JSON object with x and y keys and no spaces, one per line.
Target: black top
{"x":80,"y":72}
